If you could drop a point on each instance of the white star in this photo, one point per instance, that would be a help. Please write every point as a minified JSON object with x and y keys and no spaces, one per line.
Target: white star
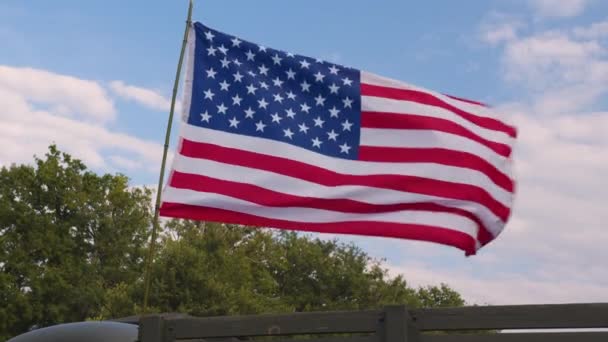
{"x":276,"y":118}
{"x":304,"y":64}
{"x":211,"y":51}
{"x":205,"y":116}
{"x":334,"y":112}
{"x":319,"y":122}
{"x":236,"y":42}
{"x":222,"y":49}
{"x":319,"y":76}
{"x":249,"y":113}
{"x":344,"y":148}
{"x":225,"y":62}
{"x":332,"y":135}
{"x":251,"y":89}
{"x":259,"y":126}
{"x":221,"y":108}
{"x":209,"y":94}
{"x":262,"y":48}
{"x":236,"y":61}
{"x":237,"y":77}
{"x":263,"y":70}
{"x":303,"y":128}
{"x":263,"y":103}
{"x":236,"y":100}
{"x":316,"y":142}
{"x":209,"y":35}
{"x":277,"y":82}
{"x":320,"y":100}
{"x":348,"y":102}
{"x":333,"y":88}
{"x":347,"y":81}
{"x":251,"y":73}
{"x":278,"y":98}
{"x":291,"y":95}
{"x":263,"y":85}
{"x":224,"y":85}
{"x":291,"y":75}
{"x":305,"y":86}
{"x":319,"y":60}
{"x":305,"y":107}
{"x":211,"y":73}
{"x":290,"y":113}
{"x":234,"y":122}
{"x":250,"y":55}
{"x":276,"y":59}
{"x":346,"y":125}
{"x":289,"y":54}
{"x":333,"y":70}
{"x":288,"y":133}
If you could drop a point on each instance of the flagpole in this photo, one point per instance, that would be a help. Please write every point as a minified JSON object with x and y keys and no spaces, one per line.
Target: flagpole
{"x":155,"y":221}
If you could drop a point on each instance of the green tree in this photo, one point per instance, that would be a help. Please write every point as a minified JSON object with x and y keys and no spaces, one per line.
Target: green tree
{"x":211,"y":269}
{"x":68,"y":238}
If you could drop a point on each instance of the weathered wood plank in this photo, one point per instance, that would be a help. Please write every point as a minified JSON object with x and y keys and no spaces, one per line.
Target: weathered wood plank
{"x":151,"y":329}
{"x":520,"y":337}
{"x":398,"y":325}
{"x":513,"y":317}
{"x":260,"y":325}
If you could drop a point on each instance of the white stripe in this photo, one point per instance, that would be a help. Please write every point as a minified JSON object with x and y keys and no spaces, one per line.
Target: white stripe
{"x":298,"y":187}
{"x":344,"y":166}
{"x":189,"y":74}
{"x":309,"y":215}
{"x":370,"y":78}
{"x":384,"y":105}
{"x":428,"y":139}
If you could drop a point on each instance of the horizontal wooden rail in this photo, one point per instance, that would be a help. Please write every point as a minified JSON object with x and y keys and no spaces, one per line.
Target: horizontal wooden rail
{"x":520,"y":337}
{"x":264,"y":325}
{"x":513,"y":317}
{"x":393,"y":324}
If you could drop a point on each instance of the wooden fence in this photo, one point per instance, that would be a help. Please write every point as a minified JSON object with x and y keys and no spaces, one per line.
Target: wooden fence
{"x":393,"y":324}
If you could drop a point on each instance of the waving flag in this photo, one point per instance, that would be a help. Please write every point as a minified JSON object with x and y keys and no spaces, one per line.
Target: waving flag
{"x":274,"y":139}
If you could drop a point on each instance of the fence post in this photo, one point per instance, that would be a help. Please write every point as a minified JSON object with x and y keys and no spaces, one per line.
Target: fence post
{"x":151,"y":329}
{"x":399,"y":326}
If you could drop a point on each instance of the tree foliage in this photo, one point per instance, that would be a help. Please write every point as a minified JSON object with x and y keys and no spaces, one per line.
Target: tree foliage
{"x":72,"y":248}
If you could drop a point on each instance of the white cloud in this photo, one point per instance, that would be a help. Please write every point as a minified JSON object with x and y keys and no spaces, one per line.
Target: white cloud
{"x":552,"y":59}
{"x":499,"y":27}
{"x":559,"y":8}
{"x":68,"y":95}
{"x":34,"y":116}
{"x":595,"y":31}
{"x":146,"y":97}
{"x":506,"y":288}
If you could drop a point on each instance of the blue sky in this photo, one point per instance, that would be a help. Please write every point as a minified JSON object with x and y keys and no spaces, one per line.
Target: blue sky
{"x":95,"y":76}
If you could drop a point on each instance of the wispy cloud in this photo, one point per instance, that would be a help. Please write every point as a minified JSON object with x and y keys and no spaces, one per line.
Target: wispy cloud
{"x":559,"y":8}
{"x":69,"y":95}
{"x":149,"y":98}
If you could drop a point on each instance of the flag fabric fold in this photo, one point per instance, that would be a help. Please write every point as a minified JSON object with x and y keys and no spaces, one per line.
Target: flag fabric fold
{"x":274,"y":139}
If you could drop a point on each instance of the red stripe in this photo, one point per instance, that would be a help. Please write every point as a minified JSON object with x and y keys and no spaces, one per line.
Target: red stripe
{"x":326,"y":177}
{"x":467,"y":100}
{"x":269,"y":198}
{"x":420,"y":122}
{"x":439,"y":235}
{"x":437,"y":156}
{"x":428,"y":99}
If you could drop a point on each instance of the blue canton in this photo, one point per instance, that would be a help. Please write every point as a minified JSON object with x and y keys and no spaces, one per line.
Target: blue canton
{"x":244,"y":88}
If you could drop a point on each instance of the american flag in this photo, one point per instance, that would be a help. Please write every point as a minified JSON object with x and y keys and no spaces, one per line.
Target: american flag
{"x":274,"y":139}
